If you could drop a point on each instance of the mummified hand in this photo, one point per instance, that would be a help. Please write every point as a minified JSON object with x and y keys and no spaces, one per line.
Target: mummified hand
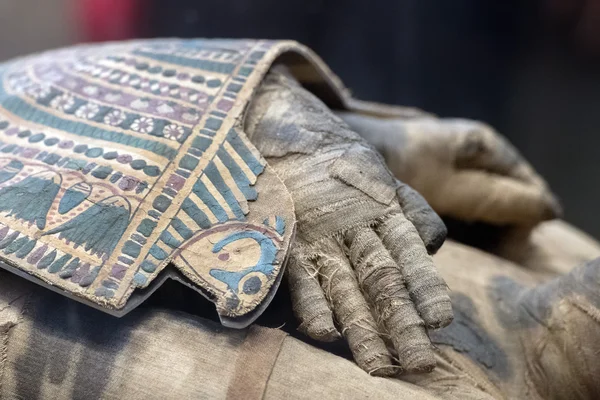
{"x":357,"y":257}
{"x":463,"y":168}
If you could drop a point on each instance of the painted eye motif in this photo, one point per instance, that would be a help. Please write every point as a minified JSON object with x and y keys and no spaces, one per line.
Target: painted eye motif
{"x":249,"y":280}
{"x":251,"y":284}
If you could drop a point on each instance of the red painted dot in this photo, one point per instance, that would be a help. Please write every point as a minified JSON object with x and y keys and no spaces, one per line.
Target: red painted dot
{"x":224,"y":256}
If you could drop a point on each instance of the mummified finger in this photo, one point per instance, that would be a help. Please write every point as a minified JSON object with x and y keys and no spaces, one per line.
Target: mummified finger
{"x":427,"y":289}
{"x":352,"y":311}
{"x":381,"y":279}
{"x":480,"y":147}
{"x":308,"y":300}
{"x":481,"y":196}
{"x":429,"y":225}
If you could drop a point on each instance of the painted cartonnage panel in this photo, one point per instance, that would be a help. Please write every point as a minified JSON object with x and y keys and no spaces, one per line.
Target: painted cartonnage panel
{"x":119,"y":160}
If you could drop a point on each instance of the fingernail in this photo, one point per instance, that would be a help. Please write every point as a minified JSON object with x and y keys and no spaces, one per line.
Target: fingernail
{"x":321,"y":328}
{"x":438,"y":315}
{"x":418,"y":360}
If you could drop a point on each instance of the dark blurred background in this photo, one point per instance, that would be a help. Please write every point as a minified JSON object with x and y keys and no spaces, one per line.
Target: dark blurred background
{"x":529,"y":68}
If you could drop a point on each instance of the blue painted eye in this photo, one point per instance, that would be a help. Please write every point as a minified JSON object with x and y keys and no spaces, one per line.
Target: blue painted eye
{"x":242,"y":281}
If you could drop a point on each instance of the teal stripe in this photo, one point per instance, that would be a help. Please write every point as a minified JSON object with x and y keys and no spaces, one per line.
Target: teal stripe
{"x":182,"y":228}
{"x":206,"y":65}
{"x":23,"y":110}
{"x":158,"y":253}
{"x":195,"y":213}
{"x":279,"y":225}
{"x":202,"y":192}
{"x":169,"y":240}
{"x":238,"y":175}
{"x":203,"y":45}
{"x":215,"y":177}
{"x":240,"y":147}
